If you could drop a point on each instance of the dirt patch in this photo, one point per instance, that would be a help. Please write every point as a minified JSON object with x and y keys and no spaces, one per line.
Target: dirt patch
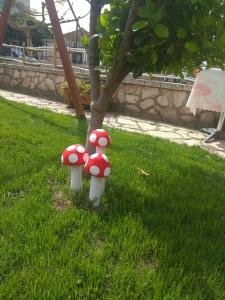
{"x":60,"y":201}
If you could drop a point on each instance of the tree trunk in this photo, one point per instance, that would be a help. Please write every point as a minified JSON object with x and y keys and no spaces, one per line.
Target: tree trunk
{"x":100,"y":107}
{"x":93,"y":53}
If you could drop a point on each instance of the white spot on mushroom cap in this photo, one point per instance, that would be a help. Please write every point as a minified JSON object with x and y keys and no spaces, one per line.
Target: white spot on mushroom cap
{"x":94,"y":170}
{"x":70,"y":148}
{"x":62,"y":159}
{"x":105,"y":158}
{"x":80,"y":149}
{"x":93,"y":138}
{"x":100,"y":130}
{"x":107,"y":172}
{"x":93,"y":156}
{"x":102,"y":141}
{"x":73,"y":158}
{"x":85,"y":157}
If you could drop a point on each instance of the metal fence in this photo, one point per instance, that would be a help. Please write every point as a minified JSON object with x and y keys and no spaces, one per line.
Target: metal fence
{"x":42,"y":55}
{"x":49,"y":56}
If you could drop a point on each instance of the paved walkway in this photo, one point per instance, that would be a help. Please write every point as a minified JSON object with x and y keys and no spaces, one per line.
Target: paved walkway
{"x":175,"y":134}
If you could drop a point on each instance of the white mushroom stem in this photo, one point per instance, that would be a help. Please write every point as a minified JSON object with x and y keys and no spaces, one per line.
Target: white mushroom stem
{"x":100,"y":149}
{"x":97,"y":190}
{"x":76,"y":178}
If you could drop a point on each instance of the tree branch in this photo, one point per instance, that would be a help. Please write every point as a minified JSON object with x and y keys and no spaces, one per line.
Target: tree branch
{"x":120,"y":68}
{"x":93,"y":53}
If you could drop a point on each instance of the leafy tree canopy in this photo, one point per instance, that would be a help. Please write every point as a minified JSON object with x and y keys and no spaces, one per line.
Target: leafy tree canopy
{"x":169,"y":36}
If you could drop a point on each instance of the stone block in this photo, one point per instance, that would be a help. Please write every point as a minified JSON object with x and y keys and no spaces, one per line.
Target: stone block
{"x":16,"y":74}
{"x":14,"y":82}
{"x":179,"y":99}
{"x":1,"y":70}
{"x":121,"y":95}
{"x":168,"y":114}
{"x":23,"y":74}
{"x":130,"y":89}
{"x":42,"y":86}
{"x":59,"y":79}
{"x":185,"y":111}
{"x":207,"y":118}
{"x":147,"y":103}
{"x":50,"y":84}
{"x":9,"y":72}
{"x":188,"y":120}
{"x":35,"y":81}
{"x":6,"y":80}
{"x":152,"y":112}
{"x":149,"y":92}
{"x":133,"y":109}
{"x":31,"y":73}
{"x":32,"y":86}
{"x":26,"y":82}
{"x":163,"y":101}
{"x":42,"y":77}
{"x":131,"y":99}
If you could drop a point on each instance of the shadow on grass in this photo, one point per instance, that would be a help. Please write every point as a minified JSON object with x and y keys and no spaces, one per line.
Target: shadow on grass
{"x":81,"y":124}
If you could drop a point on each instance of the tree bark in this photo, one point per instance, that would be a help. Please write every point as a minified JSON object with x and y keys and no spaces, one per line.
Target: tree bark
{"x":93,"y":53}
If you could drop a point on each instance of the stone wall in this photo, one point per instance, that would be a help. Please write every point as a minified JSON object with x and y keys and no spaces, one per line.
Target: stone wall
{"x":161,"y":101}
{"x":39,"y":81}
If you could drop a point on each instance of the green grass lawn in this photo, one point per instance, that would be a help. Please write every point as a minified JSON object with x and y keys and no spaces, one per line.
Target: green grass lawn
{"x":156,"y":237}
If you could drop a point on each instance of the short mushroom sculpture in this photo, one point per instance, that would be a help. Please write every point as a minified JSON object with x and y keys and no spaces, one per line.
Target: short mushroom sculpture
{"x":75,"y":156}
{"x":99,"y":168}
{"x":100,"y":139}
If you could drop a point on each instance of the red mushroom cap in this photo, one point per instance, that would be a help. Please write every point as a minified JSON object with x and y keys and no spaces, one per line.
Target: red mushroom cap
{"x":100,"y":138}
{"x":74,"y":155}
{"x":98,"y":165}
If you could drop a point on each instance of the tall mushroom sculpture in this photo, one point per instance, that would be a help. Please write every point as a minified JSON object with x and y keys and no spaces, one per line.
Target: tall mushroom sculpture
{"x":100,"y":139}
{"x":75,"y":157}
{"x":99,"y":168}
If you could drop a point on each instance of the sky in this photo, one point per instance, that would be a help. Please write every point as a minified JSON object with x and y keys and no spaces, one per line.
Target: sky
{"x":81,"y":7}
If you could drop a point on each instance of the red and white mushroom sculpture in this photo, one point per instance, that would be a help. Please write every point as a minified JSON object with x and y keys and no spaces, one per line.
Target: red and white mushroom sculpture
{"x":99,"y":168}
{"x":75,"y":157}
{"x":100,"y":139}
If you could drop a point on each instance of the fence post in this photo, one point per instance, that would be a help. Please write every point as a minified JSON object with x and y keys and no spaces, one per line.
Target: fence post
{"x":54,"y":55}
{"x":24,"y":59}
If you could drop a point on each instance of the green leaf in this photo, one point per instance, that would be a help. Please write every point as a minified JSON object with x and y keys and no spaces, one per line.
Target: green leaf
{"x":143,"y":12}
{"x":222,"y":38}
{"x":207,"y":21}
{"x":191,"y":46}
{"x":139,"y":25}
{"x":171,"y":49}
{"x":161,"y":31}
{"x":181,"y":33}
{"x":150,"y":6}
{"x":154,"y":57}
{"x":103,"y":20}
{"x":85,"y":40}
